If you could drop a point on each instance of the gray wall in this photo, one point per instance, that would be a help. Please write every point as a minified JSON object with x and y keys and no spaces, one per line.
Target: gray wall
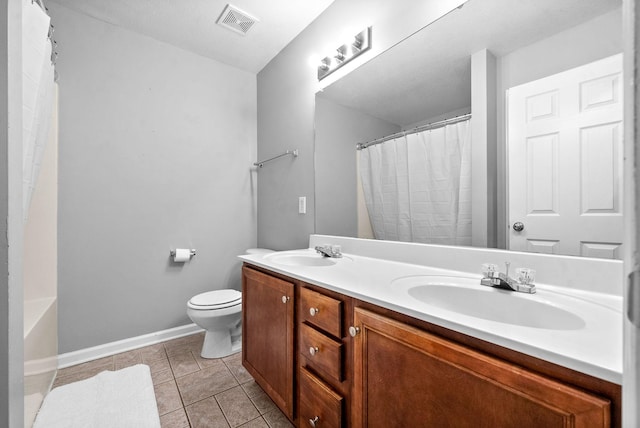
{"x":11,"y":238}
{"x":337,"y":130}
{"x":286,"y":89}
{"x":156,"y":147}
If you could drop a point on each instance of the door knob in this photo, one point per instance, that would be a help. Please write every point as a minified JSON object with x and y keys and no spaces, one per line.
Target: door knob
{"x":313,"y":350}
{"x":353,"y":331}
{"x":518,"y":226}
{"x":313,"y":421}
{"x":285,"y":299}
{"x":314,"y":311}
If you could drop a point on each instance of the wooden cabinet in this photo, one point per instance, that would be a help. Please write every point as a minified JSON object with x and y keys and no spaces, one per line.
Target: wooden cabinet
{"x":406,"y":377}
{"x":268,"y":335}
{"x":398,"y":371}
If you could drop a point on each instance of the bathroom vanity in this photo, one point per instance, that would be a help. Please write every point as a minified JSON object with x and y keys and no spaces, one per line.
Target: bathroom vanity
{"x":351,"y":357}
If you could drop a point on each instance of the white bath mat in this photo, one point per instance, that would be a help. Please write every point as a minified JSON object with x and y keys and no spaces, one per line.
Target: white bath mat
{"x":120,"y":399}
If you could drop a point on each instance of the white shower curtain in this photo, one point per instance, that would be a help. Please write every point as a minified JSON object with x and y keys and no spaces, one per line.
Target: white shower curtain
{"x":37,"y":93}
{"x":418,"y":187}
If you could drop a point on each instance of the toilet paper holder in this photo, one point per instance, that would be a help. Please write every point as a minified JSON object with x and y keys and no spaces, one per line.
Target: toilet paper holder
{"x":172,"y":253}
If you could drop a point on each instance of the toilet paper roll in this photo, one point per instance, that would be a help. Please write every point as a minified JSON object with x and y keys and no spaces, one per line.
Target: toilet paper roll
{"x":182,"y":255}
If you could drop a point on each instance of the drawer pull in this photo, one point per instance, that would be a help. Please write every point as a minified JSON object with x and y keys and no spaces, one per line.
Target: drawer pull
{"x":313,"y":350}
{"x":353,"y":331}
{"x":314,"y":311}
{"x":285,"y":299}
{"x":313,"y":421}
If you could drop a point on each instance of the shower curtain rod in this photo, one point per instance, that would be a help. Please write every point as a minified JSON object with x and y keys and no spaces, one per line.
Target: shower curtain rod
{"x":421,"y":128}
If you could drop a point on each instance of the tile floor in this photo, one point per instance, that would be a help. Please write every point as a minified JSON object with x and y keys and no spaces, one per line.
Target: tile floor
{"x":192,"y":392}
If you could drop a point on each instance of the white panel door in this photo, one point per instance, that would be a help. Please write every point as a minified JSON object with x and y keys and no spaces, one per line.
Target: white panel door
{"x":564,"y":143}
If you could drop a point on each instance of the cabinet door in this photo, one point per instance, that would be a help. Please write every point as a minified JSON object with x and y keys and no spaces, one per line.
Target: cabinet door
{"x":267,"y":335}
{"x":405,"y":377}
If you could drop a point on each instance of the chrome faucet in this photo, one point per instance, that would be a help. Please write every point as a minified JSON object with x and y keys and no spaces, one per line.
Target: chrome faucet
{"x":493,"y":278}
{"x":333,"y":251}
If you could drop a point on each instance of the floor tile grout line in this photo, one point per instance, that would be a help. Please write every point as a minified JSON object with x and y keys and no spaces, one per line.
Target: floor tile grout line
{"x":175,"y":381}
{"x":245,"y":393}
{"x":217,"y":393}
{"x":224,"y":415}
{"x":259,"y":417}
{"x":200,"y":368}
{"x":195,"y":357}
{"x":213,"y":395}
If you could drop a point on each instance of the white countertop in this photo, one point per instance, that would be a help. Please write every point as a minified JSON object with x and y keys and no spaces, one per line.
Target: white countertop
{"x":594,"y":348}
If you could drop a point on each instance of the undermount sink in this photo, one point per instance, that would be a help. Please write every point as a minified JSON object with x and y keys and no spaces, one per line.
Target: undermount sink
{"x":300,"y":258}
{"x":467,"y":297}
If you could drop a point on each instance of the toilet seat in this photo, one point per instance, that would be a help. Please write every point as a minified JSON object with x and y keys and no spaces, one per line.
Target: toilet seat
{"x":217,"y":299}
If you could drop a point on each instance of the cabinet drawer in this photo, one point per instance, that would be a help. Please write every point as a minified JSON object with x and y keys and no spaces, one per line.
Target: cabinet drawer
{"x":322,"y":311}
{"x":321,"y":352}
{"x":320,"y":406}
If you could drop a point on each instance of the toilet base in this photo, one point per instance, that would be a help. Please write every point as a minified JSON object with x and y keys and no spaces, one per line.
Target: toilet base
{"x":218,"y":344}
{"x":236,"y":346}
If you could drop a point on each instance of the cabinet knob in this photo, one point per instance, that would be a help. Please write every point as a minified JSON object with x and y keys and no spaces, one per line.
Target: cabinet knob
{"x":314,"y":350}
{"x":313,"y":421}
{"x":353,"y":331}
{"x":285,"y":299}
{"x":314,"y":311}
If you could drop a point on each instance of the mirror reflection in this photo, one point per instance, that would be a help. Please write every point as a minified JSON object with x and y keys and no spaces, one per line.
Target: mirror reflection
{"x":423,"y":178}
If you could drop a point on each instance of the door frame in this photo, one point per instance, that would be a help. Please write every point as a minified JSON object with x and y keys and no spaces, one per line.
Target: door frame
{"x":631,"y":372}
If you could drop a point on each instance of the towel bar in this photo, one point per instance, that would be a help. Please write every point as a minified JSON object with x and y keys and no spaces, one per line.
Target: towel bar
{"x":260,"y":164}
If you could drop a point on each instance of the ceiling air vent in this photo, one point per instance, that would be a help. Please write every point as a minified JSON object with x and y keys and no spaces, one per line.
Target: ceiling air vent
{"x":236,"y":20}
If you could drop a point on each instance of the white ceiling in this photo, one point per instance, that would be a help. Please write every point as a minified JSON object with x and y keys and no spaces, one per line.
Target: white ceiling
{"x":191,"y":25}
{"x":435,"y":63}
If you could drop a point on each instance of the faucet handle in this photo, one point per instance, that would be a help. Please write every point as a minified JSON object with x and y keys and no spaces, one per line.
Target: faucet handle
{"x":489,"y":270}
{"x":525,"y":275}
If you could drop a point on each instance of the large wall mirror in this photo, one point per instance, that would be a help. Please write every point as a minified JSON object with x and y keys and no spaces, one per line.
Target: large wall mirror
{"x":427,"y":78}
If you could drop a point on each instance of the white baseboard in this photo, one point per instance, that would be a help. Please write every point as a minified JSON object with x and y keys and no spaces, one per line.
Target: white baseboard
{"x":40,"y":366}
{"x":112,"y":348}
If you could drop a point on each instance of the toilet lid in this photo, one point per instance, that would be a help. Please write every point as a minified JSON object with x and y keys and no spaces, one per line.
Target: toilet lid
{"x":217,"y":299}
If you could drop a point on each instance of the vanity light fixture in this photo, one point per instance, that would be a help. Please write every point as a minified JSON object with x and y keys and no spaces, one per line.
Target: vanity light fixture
{"x":345,"y":53}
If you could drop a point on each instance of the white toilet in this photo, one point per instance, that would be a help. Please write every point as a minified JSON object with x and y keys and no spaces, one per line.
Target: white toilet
{"x":219,"y":313}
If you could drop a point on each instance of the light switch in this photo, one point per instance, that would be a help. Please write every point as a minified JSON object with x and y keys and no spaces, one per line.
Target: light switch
{"x":302,"y":205}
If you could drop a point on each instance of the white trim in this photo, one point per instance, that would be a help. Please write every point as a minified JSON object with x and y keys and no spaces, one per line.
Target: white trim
{"x":631,"y":333}
{"x":112,"y":348}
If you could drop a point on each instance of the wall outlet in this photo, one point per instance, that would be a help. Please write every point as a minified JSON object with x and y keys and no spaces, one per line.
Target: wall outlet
{"x":302,"y":205}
